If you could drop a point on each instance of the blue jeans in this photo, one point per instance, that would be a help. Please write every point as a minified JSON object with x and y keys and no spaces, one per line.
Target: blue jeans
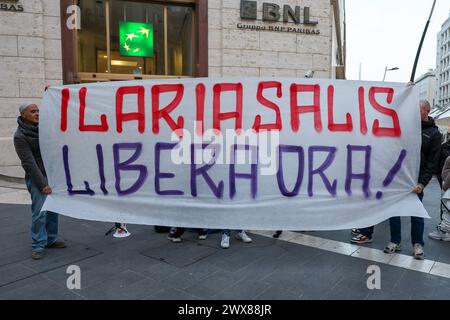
{"x":44,"y":225}
{"x":417,"y":228}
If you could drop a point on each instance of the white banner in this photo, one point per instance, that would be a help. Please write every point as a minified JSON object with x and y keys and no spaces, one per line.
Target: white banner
{"x":252,"y":153}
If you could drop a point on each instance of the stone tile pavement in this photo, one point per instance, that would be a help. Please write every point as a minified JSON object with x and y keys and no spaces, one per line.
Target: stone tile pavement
{"x":148,"y":266}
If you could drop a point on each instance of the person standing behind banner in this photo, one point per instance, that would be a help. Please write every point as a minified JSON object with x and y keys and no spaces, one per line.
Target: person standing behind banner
{"x":445,"y":153}
{"x":442,"y":231}
{"x":44,"y":225}
{"x":430,"y":152}
{"x":176,"y":233}
{"x":240,"y":235}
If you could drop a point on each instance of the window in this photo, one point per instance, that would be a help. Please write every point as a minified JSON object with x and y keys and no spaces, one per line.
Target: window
{"x":92,"y":36}
{"x":148,"y":13}
{"x":107,"y":49}
{"x":180,"y":38}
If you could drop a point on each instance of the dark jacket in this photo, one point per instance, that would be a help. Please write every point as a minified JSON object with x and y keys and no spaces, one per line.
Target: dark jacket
{"x":445,"y":153}
{"x":446,"y":175}
{"x":26,"y":142}
{"x":430,"y":151}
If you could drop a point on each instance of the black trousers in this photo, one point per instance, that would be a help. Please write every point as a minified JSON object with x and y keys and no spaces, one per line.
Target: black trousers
{"x":180,"y":231}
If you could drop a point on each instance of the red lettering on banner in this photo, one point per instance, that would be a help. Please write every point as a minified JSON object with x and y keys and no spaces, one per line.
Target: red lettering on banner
{"x":257,"y":126}
{"x":164,"y":113}
{"x":139,"y":115}
{"x":232,"y":95}
{"x":296,"y":109}
{"x":362,"y":111}
{"x":65,"y":96}
{"x":378,"y":131}
{"x":89,"y":127}
{"x":217,"y":115}
{"x":200,"y":108}
{"x":332,"y":126}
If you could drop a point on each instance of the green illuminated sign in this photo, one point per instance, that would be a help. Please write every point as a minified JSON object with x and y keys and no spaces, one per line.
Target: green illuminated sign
{"x":136,"y":39}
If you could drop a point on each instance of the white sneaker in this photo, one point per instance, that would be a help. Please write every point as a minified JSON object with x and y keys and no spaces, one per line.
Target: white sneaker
{"x":418,"y":252}
{"x":392,"y":248}
{"x":438,"y":234}
{"x":243,"y":237}
{"x":225,"y":243}
{"x":121,"y":232}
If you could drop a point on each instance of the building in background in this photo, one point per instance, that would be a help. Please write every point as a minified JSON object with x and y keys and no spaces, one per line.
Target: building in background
{"x":427,"y":87}
{"x":442,"y":98}
{"x":443,"y":66}
{"x":43,"y":45}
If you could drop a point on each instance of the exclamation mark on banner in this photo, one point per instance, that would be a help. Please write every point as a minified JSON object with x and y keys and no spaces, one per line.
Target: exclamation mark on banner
{"x":391,"y":174}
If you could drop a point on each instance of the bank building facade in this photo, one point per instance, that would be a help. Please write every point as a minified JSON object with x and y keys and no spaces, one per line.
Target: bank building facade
{"x":55,"y":42}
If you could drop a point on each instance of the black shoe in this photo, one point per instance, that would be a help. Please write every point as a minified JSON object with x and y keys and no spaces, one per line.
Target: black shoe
{"x":202,"y":235}
{"x":56,"y":245}
{"x":36,"y":255}
{"x":174,"y":237}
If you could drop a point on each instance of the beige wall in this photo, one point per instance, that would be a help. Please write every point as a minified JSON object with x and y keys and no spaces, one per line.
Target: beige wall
{"x":235,"y":52}
{"x":30,"y":59}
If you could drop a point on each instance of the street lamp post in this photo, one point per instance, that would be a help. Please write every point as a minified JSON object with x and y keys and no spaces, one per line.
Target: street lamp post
{"x":386,"y":70}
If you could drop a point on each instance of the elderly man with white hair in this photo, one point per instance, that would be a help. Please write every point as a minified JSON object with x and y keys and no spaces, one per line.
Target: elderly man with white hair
{"x":44,"y":225}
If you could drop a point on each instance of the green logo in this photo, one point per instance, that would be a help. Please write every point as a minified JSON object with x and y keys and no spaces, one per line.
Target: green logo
{"x":136,"y":39}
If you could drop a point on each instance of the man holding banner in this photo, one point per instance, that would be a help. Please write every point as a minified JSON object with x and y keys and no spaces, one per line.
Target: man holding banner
{"x":44,"y":226}
{"x":429,"y":161}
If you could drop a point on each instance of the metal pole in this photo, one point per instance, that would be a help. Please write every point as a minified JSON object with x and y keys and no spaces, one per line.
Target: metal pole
{"x":385,"y":70}
{"x":360,"y":71}
{"x":413,"y":73}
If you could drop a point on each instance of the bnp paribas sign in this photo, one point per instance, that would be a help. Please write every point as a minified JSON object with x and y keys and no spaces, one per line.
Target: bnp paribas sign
{"x":136,"y":39}
{"x":298,"y":18}
{"x":11,"y":5}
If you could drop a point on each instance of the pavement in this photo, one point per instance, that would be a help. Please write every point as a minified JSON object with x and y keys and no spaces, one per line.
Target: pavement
{"x":299,"y":265}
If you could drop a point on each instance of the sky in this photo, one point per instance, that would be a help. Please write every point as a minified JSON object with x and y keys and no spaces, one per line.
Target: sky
{"x":384,"y":33}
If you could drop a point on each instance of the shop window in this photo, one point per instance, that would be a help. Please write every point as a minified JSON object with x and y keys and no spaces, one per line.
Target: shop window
{"x":92,"y":36}
{"x":134,"y":12}
{"x":122,"y":39}
{"x":180,"y":40}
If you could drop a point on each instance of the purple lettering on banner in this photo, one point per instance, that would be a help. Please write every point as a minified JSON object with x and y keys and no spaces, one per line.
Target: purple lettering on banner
{"x":217,"y":190}
{"x":127,"y":166}
{"x":365,"y":176}
{"x":70,"y":190}
{"x":163,"y":175}
{"x":101,"y":168}
{"x":331,"y":187}
{"x":395,"y":169}
{"x":253,"y":176}
{"x":301,"y":164}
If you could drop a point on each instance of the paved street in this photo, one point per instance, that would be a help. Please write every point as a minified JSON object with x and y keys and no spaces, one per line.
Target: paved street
{"x":148,"y":266}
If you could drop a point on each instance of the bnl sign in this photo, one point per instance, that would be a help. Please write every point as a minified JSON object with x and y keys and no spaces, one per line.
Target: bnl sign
{"x":272,"y":12}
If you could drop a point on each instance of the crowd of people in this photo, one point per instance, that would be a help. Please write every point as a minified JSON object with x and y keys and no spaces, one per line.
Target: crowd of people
{"x":434,"y":159}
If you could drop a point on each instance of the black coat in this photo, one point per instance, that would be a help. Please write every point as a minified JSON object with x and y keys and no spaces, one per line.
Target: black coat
{"x":430,"y":151}
{"x":26,"y":142}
